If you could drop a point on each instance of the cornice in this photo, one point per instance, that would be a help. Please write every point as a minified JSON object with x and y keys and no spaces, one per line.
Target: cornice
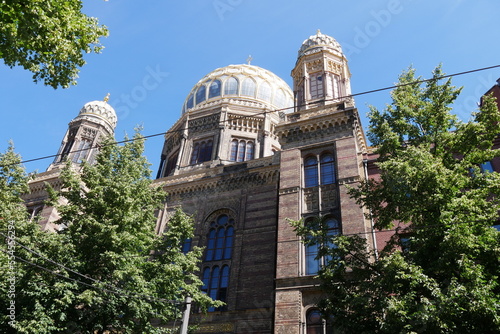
{"x":222,"y":178}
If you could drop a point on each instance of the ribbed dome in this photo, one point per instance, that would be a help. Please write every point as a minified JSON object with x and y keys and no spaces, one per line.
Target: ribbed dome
{"x":319,"y":42}
{"x":244,"y":82}
{"x":98,"y":111}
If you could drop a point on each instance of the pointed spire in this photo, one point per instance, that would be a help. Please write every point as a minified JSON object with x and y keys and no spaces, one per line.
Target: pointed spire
{"x":106,"y":98}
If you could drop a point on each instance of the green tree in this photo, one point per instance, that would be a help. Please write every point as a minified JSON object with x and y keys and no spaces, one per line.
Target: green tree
{"x":48,"y":38}
{"x":439,"y":273}
{"x":108,"y":269}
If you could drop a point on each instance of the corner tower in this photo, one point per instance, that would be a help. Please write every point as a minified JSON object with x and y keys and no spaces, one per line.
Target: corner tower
{"x":322,"y":148}
{"x":95,"y":121}
{"x":321,"y":75}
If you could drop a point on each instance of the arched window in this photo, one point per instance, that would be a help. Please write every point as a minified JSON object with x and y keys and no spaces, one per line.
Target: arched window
{"x":310,"y":172}
{"x":214,"y":89}
{"x":264,"y":92}
{"x":215,"y":284}
{"x":233,"y":150}
{"x":241,"y":150}
{"x":201,"y":94}
{"x":248,"y":87}
{"x":249,"y":151}
{"x":314,"y":322}
{"x":190,"y":102}
{"x":220,"y":239}
{"x":231,"y":86}
{"x":202,"y":151}
{"x":280,"y":99}
{"x":327,"y":169}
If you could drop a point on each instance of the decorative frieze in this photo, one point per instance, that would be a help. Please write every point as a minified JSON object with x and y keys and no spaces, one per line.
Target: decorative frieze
{"x":334,"y":67}
{"x":315,"y":65}
{"x":203,"y":124}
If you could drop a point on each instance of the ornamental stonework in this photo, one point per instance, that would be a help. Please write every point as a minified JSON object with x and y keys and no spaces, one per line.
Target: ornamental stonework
{"x":204,"y":124}
{"x":315,"y":65}
{"x":334,"y":67}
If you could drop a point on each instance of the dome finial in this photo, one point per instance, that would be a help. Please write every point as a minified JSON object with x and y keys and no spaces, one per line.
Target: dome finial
{"x":249,"y":59}
{"x":318,"y":32}
{"x":106,"y":98}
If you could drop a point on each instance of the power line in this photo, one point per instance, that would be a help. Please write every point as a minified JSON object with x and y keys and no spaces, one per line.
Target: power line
{"x":263,"y":113}
{"x":115,"y":290}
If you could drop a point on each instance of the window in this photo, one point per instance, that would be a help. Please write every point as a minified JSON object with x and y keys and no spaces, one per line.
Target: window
{"x":316,"y":85}
{"x":214,"y":89}
{"x":264,"y":91}
{"x":220,"y":239}
{"x":82,"y":151}
{"x":217,"y":257}
{"x":231,"y":86}
{"x":487,"y":167}
{"x":315,"y":324}
{"x":190,"y":102}
{"x":280,"y":99}
{"x":241,"y":150}
{"x":171,"y":162}
{"x":327,"y":169}
{"x":313,"y":262}
{"x":186,"y":245}
{"x":248,"y":87}
{"x":310,"y":172}
{"x":201,"y":94}
{"x":215,"y":284}
{"x":202,"y":151}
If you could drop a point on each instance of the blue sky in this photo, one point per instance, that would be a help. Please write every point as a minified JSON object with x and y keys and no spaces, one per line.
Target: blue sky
{"x":157,"y":50}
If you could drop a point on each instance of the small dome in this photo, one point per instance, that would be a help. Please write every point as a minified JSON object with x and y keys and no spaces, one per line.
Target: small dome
{"x":244,"y":82}
{"x":99,"y":110}
{"x":319,"y":42}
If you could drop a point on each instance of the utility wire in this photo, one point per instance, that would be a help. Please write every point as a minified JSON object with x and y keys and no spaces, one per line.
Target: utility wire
{"x":115,"y":290}
{"x":263,"y":113}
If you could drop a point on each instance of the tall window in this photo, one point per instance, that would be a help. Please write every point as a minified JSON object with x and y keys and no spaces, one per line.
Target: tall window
{"x":220,"y":239}
{"x":310,"y":172}
{"x":215,"y":284}
{"x":316,"y":85}
{"x":313,"y":262}
{"x":190,"y":101}
{"x":217,"y":258}
{"x":241,"y":150}
{"x":82,"y":151}
{"x":202,"y":151}
{"x":326,"y":170}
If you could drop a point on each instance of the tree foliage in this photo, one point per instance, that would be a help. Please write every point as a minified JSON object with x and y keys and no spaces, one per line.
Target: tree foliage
{"x":439,"y":273}
{"x":48,"y":38}
{"x":107,"y":268}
